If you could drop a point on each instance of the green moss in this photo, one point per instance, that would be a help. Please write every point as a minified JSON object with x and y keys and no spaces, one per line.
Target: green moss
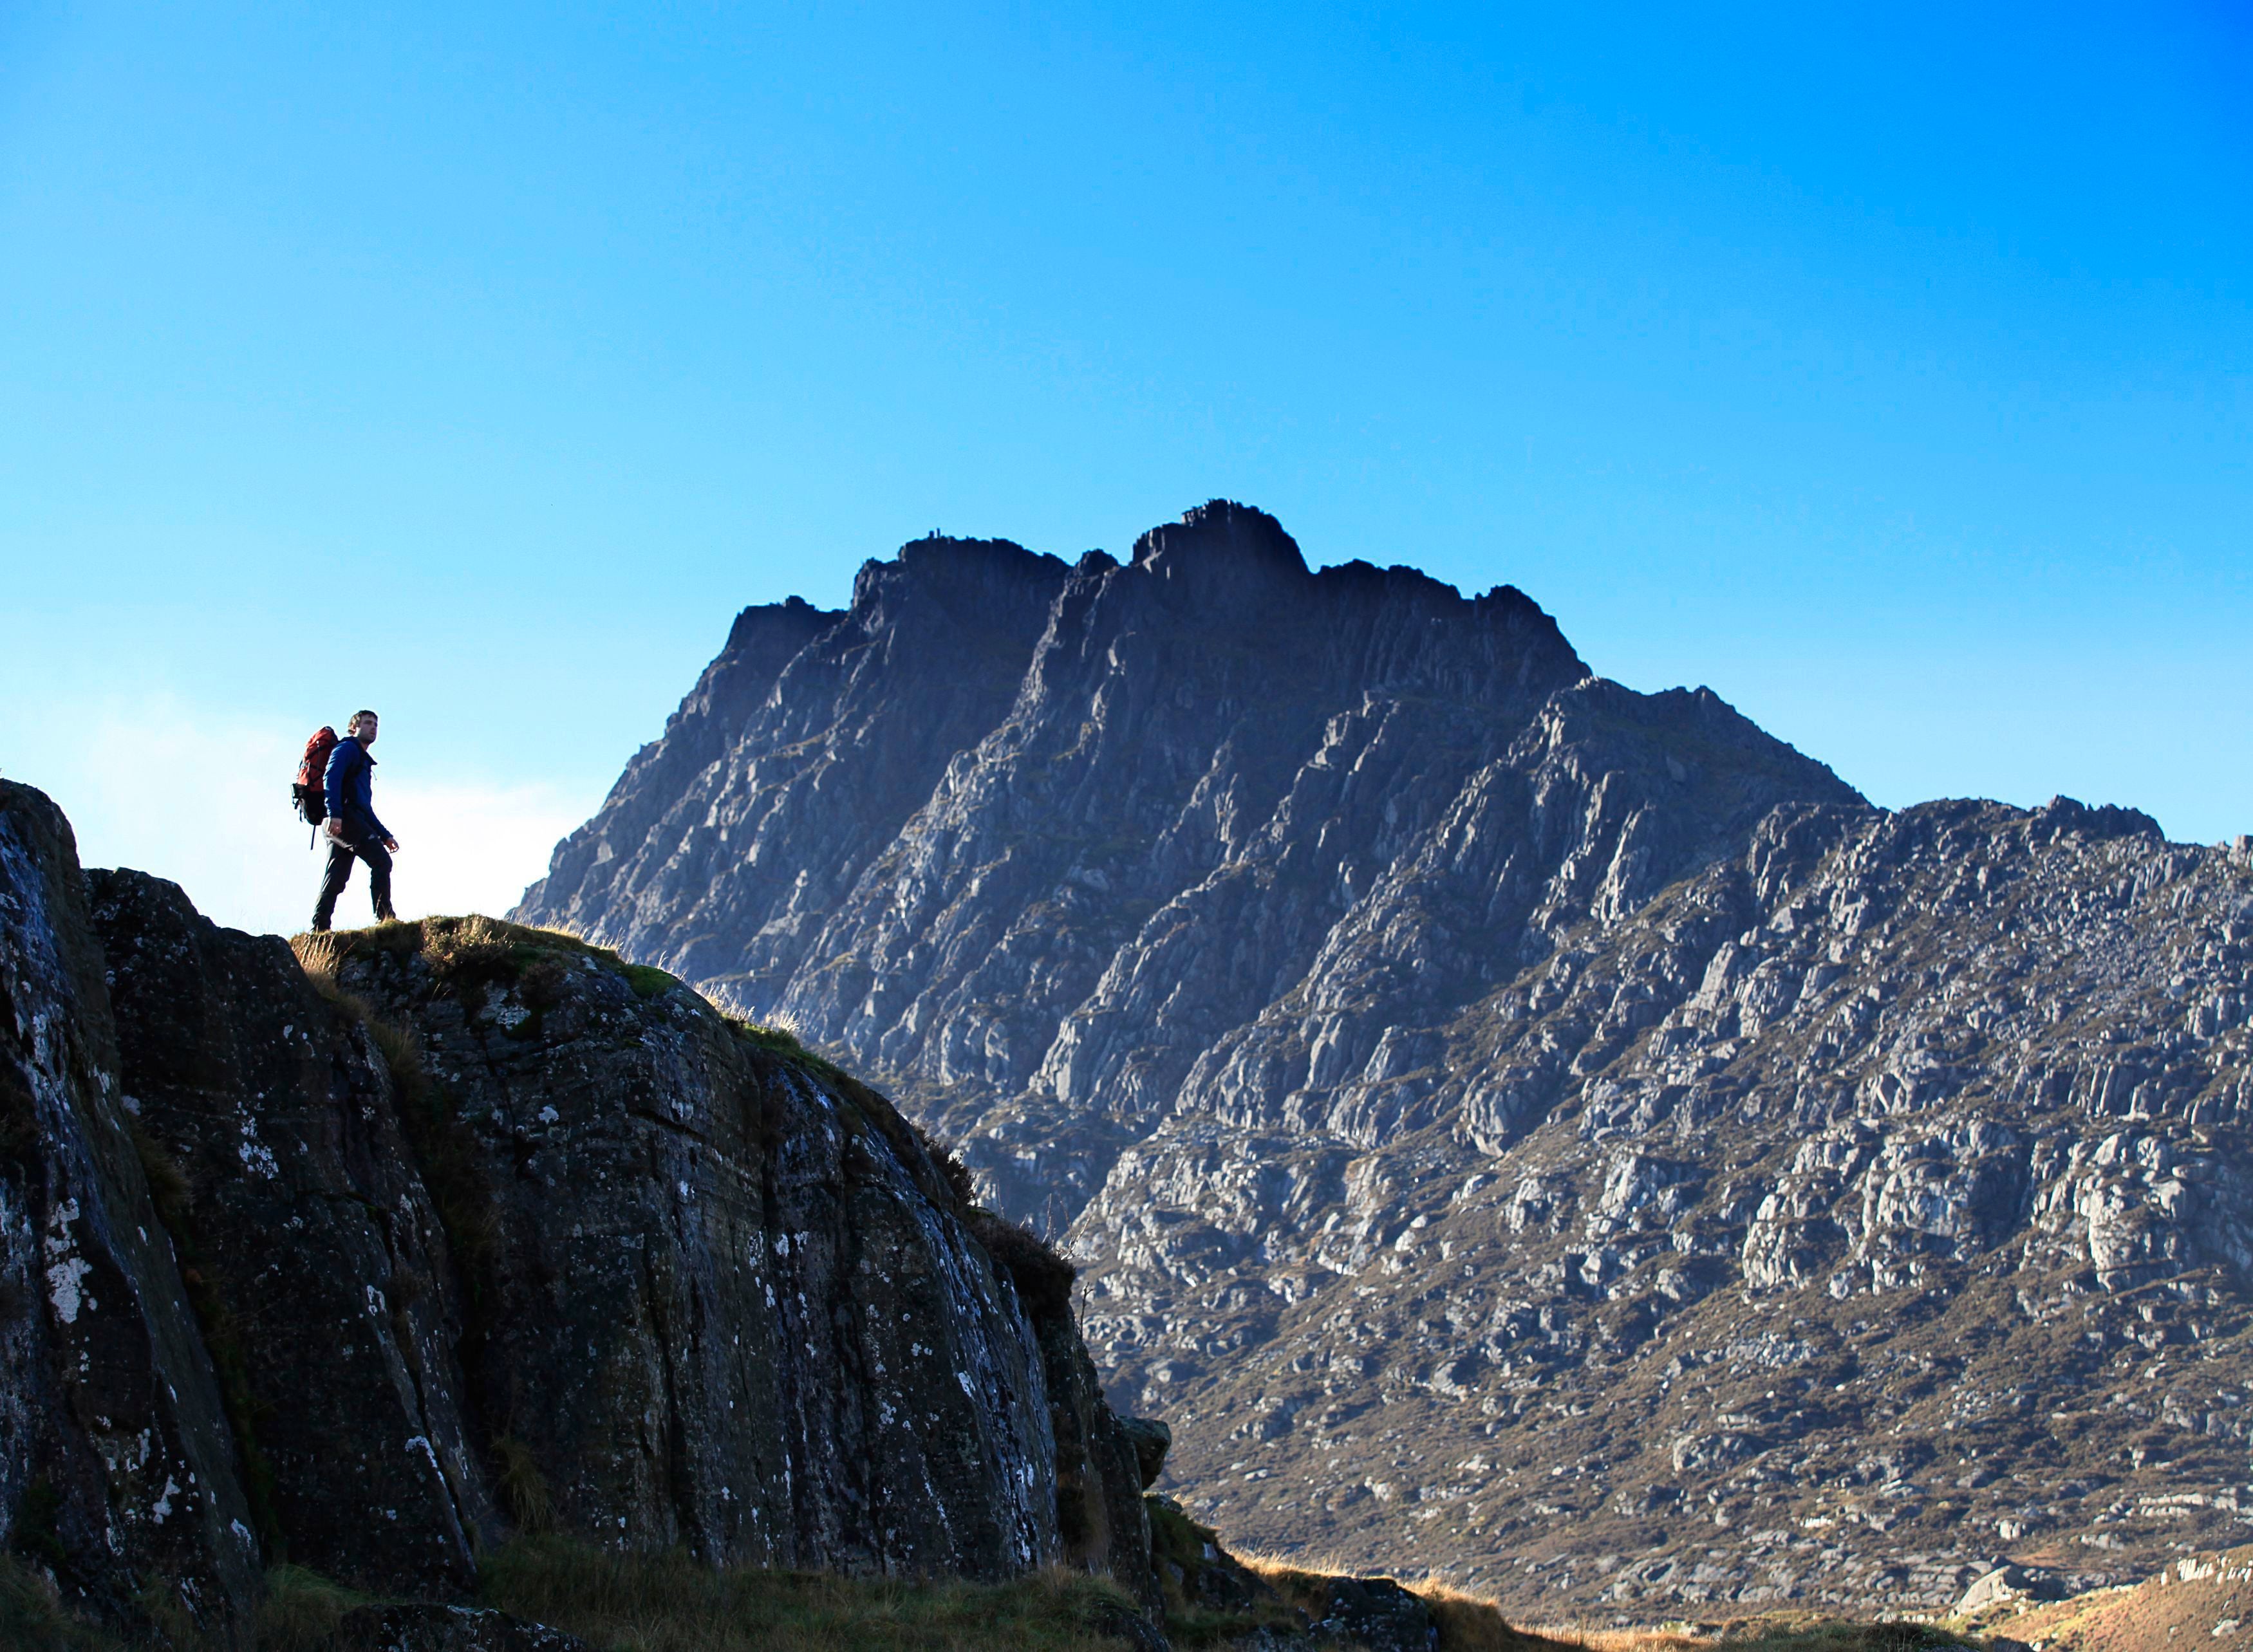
{"x":1179,"y":1550}
{"x":783,"y":1042}
{"x":647,"y":979}
{"x":452,"y":1167}
{"x":35,"y":1535}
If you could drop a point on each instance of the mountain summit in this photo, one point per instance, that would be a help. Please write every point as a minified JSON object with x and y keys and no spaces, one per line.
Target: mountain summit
{"x":1554,"y":1134}
{"x":1067,"y":851}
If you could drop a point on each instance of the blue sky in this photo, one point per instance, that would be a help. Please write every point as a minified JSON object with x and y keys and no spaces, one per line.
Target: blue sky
{"x":1887,"y":372}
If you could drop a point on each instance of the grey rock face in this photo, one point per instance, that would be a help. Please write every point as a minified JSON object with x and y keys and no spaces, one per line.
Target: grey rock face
{"x":481,"y":1232}
{"x":1505,"y":1119}
{"x":1152,"y":1441}
{"x":1378,"y":1613}
{"x":721,"y":1306}
{"x":1871,"y":1199}
{"x":117,"y":1473}
{"x":778,"y":745}
{"x":305,"y":1223}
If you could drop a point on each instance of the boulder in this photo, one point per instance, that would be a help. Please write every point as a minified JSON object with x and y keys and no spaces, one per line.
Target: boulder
{"x":1379,"y":1614}
{"x":1152,"y":1439}
{"x":463,"y":1230}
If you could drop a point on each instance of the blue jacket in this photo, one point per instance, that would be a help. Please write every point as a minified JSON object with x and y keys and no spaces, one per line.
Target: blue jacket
{"x":350,"y":784}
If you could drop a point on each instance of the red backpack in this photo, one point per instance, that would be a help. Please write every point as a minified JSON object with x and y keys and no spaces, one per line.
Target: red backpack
{"x":312,"y":790}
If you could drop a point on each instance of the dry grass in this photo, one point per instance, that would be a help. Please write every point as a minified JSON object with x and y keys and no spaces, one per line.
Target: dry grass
{"x":319,"y":956}
{"x":626,"y":1602}
{"x":1776,"y":1632}
{"x":1470,"y":1622}
{"x":31,"y":1619}
{"x":523,"y":1489}
{"x":471,"y":950}
{"x":670,"y":1603}
{"x":779,"y":1037}
{"x":301,"y":1610}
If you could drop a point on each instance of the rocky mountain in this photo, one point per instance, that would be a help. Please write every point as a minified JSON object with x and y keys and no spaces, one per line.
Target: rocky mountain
{"x":460,"y":1232}
{"x":1558,"y":1136}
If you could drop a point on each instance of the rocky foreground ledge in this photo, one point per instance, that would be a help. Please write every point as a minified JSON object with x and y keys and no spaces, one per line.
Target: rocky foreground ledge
{"x":458,"y":1231}
{"x":430,"y":1282}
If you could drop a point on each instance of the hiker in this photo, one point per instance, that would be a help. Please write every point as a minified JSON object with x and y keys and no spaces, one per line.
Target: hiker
{"x":352,"y":827}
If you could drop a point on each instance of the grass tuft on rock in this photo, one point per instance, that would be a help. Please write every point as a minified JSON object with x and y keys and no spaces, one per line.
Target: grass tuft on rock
{"x":778,"y":1039}
{"x":32,"y":1619}
{"x":522,"y":1487}
{"x":1042,"y":1278}
{"x":959,"y":1182}
{"x":474,"y":951}
{"x":302,"y":1609}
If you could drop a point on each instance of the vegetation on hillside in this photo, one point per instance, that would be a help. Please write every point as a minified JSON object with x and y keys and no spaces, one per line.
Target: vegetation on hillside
{"x":668,"y":1602}
{"x":476,"y":950}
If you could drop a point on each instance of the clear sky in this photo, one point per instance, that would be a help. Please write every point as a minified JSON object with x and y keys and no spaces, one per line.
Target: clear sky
{"x":1884,"y":368}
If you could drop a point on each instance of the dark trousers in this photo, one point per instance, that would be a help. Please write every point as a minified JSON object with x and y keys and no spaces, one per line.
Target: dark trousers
{"x":369,"y":848}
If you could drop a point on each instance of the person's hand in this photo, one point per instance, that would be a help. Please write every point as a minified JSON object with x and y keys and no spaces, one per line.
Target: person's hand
{"x":335,"y":828}
{"x":392,"y":844}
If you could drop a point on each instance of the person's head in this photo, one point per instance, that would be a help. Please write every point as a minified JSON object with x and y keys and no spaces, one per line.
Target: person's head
{"x":362,"y":728}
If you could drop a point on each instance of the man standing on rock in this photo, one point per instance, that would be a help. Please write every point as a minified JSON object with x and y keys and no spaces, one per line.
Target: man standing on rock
{"x":352,"y":827}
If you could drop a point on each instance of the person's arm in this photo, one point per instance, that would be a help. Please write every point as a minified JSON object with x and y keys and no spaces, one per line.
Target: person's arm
{"x":332,"y":785}
{"x":382,"y":831}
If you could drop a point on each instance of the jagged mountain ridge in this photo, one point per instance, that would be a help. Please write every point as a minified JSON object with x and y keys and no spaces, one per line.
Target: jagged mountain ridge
{"x":1271,"y":906}
{"x":1045,"y":845}
{"x":1413,"y":1032}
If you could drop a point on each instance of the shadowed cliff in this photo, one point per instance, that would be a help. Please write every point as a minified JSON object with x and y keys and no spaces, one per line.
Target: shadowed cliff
{"x":461,"y":1231}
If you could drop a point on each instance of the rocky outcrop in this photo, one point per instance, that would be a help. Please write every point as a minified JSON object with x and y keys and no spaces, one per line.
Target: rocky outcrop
{"x":117,"y":1471}
{"x":722,"y":1303}
{"x":473,"y":1231}
{"x":2196,"y":1599}
{"x":1500,"y":1114}
{"x":309,"y":1241}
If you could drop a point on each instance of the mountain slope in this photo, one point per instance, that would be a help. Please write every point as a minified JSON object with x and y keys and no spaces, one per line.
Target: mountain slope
{"x":1864,"y":1209}
{"x":1509,"y":1121}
